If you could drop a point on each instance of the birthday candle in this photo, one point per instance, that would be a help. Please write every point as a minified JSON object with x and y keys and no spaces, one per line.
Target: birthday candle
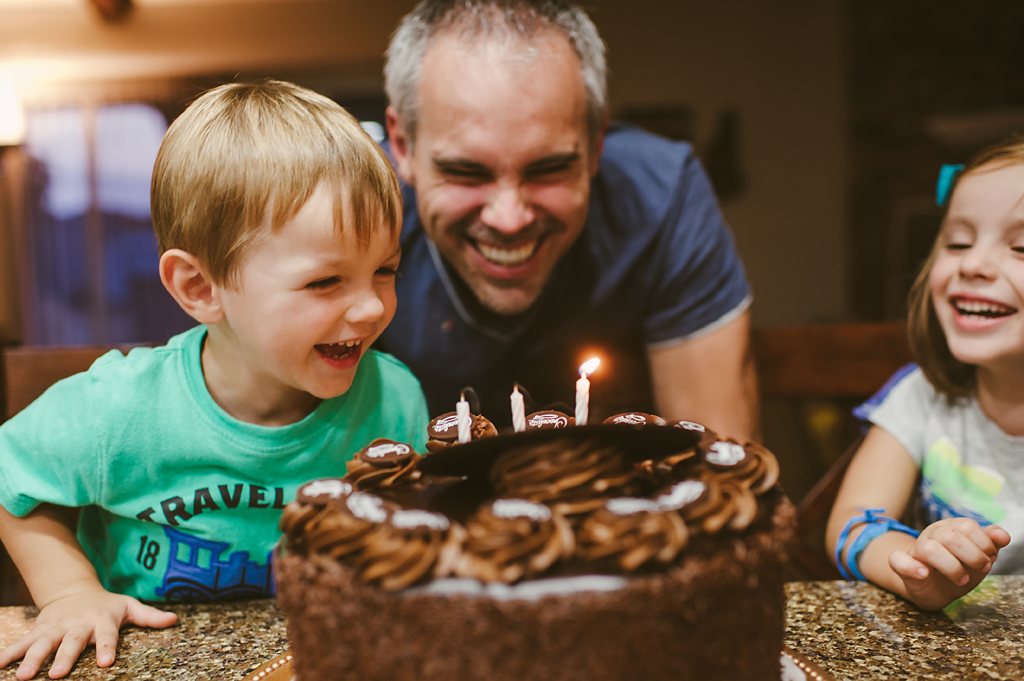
{"x":583,"y":391}
{"x":465,"y":420}
{"x":518,"y":410}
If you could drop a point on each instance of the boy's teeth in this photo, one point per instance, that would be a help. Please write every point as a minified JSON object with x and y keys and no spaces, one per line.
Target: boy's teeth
{"x":508,"y":257}
{"x":338,"y":350}
{"x":982,"y":308}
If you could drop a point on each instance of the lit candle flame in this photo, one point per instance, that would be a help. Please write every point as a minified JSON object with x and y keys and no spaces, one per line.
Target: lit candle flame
{"x":589,"y":366}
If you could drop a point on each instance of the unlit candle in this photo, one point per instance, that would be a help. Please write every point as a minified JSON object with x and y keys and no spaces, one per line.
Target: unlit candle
{"x":518,"y":411}
{"x":465,"y":420}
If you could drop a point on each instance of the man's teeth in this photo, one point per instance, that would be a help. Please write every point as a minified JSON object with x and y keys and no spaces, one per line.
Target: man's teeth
{"x":982,"y":309}
{"x":508,"y":257}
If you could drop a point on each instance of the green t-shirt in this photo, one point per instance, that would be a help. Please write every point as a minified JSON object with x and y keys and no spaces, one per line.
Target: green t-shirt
{"x":179,"y":499}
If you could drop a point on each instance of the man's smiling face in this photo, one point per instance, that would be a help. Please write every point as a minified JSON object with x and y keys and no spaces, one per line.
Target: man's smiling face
{"x":501,"y":163}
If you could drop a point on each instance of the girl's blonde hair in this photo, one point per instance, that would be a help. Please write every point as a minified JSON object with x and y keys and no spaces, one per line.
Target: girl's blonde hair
{"x":928,"y":344}
{"x":243,"y":157}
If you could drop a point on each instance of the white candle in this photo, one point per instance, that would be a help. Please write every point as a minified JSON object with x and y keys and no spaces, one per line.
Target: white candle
{"x":582,"y":400}
{"x":583,"y":391}
{"x":465,"y":420}
{"x":518,"y":411}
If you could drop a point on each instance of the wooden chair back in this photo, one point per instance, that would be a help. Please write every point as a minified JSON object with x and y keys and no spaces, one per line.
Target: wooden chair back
{"x":27,"y":371}
{"x":25,"y":374}
{"x":829,"y":361}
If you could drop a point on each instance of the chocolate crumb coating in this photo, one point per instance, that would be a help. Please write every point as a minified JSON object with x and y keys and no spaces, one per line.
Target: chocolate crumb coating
{"x":443,"y":431}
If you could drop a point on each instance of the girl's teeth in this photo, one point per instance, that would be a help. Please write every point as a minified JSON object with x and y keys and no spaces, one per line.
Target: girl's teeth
{"x":983,"y":309}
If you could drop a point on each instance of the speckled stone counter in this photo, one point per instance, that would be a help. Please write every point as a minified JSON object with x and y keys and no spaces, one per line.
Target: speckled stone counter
{"x":854,"y":631}
{"x":857,"y":632}
{"x":221,"y":642}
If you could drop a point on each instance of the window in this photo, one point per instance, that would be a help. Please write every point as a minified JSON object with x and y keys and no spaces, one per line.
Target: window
{"x":91,"y":269}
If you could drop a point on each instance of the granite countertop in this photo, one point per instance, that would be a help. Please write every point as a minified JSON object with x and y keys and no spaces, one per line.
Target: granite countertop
{"x":217,"y":642}
{"x":856,"y":632}
{"x":852,"y":630}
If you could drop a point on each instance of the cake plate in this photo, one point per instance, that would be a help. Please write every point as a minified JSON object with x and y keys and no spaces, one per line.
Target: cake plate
{"x":794,"y":667}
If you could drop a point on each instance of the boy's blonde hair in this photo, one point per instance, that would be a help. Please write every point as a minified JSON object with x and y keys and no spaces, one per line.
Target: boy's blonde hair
{"x":245,"y":156}
{"x":928,"y":344}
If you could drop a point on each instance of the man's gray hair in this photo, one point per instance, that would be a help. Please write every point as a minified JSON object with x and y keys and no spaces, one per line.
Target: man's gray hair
{"x":472,"y":19}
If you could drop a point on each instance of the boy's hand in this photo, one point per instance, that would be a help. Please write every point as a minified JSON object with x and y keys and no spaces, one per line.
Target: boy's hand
{"x":948,"y":560}
{"x":75,"y":619}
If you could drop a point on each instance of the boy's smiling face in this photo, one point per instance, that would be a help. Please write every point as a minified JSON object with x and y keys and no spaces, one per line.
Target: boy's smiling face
{"x":309,"y":300}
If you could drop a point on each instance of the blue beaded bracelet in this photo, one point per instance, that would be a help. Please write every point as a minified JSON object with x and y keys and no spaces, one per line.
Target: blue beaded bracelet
{"x":878,"y":524}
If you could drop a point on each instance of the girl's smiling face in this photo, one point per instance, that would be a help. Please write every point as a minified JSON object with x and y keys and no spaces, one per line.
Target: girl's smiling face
{"x":977,"y":281}
{"x":307,"y":304}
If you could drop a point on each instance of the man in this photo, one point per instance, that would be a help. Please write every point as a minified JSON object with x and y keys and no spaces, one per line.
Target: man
{"x":537,"y":236}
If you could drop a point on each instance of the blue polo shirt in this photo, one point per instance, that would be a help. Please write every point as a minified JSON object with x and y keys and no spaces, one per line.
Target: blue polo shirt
{"x":655,"y":265}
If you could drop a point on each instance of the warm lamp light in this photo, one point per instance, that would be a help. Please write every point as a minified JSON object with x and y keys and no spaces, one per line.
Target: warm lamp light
{"x":12,"y":119}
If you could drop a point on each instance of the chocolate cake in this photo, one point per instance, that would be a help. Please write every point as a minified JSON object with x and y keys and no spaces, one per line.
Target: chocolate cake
{"x":595,"y":552}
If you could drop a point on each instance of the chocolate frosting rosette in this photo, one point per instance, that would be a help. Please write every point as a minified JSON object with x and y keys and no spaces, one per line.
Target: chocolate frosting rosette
{"x":415,"y":544}
{"x":632,"y":531}
{"x":443,"y":431}
{"x":734,"y":474}
{"x":383,"y":463}
{"x":310,"y":501}
{"x":675,"y":467}
{"x":672,"y":468}
{"x":571,"y":477}
{"x":723,"y":504}
{"x":513,"y":539}
{"x":336,"y":526}
{"x":383,"y":543}
{"x":749,"y":465}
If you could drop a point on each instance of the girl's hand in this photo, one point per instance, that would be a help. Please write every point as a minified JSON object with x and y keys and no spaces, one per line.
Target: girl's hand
{"x":74,"y":619}
{"x":948,"y":560}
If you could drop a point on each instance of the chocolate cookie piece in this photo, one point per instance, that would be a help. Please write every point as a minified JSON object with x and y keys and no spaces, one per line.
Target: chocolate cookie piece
{"x":547,"y":420}
{"x":707,"y":436}
{"x":444,"y":428}
{"x":323,"y":490}
{"x":635,"y":418}
{"x":385,"y":453}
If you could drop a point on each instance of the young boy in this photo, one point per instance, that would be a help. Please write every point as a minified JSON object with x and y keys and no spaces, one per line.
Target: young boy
{"x":278,"y":222}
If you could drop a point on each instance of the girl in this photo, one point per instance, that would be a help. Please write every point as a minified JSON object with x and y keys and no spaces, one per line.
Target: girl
{"x":958,"y":418}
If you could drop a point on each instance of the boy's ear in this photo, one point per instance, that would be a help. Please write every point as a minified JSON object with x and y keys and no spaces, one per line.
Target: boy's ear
{"x":401,"y":145}
{"x":189,"y":283}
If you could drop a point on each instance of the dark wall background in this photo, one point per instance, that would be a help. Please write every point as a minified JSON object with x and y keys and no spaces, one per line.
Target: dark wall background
{"x":929,"y":82}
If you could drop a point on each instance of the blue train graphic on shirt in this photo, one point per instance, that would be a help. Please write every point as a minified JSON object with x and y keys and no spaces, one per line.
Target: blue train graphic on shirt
{"x":195,"y":571}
